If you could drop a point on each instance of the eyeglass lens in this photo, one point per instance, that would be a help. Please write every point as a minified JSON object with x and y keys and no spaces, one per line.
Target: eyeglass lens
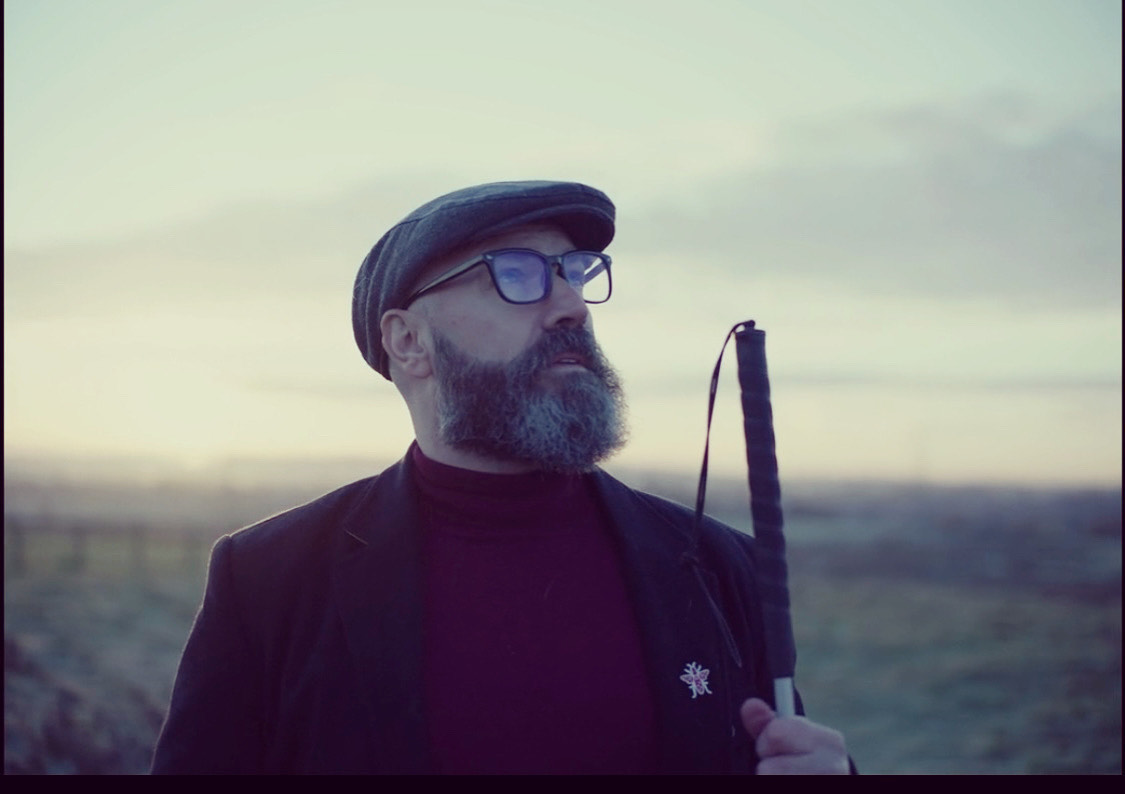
{"x":523,"y":276}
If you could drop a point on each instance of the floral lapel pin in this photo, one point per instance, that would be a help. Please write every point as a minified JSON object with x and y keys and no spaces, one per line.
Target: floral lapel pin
{"x":695,"y":676}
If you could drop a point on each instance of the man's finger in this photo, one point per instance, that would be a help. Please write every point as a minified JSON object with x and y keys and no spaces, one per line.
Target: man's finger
{"x":756,"y":715}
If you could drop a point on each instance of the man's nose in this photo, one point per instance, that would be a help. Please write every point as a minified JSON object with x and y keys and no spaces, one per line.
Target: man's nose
{"x":565,"y":305}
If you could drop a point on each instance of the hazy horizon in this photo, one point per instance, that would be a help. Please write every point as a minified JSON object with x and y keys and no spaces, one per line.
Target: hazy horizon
{"x":920,"y":203}
{"x":327,"y":473}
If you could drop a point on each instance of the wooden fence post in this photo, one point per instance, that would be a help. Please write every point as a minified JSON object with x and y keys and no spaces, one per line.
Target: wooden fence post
{"x":14,"y":550}
{"x":192,"y":541}
{"x":79,"y":547}
{"x":137,"y":540}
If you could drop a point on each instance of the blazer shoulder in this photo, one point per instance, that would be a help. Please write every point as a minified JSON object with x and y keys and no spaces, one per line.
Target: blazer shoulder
{"x":304,"y":534}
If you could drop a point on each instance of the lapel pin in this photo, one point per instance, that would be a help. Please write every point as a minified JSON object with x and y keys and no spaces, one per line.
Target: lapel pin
{"x":695,"y":676}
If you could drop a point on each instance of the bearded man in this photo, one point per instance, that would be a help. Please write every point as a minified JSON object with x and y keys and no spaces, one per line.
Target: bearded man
{"x":494,"y":602}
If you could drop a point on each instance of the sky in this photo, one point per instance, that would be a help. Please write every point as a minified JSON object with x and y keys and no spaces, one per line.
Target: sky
{"x":920,"y":202}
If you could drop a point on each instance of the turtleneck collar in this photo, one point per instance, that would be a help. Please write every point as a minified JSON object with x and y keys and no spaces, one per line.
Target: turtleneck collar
{"x":502,"y":501}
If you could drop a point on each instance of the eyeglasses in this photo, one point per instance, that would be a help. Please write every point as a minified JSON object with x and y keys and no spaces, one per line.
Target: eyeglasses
{"x":522,"y":275}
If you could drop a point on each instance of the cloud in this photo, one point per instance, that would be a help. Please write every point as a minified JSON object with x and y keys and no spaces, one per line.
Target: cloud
{"x":933,"y":201}
{"x":263,"y":250}
{"x":996,"y":197}
{"x":680,"y":385}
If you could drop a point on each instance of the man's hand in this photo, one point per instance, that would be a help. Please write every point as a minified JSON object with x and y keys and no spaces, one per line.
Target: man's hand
{"x":793,"y":745}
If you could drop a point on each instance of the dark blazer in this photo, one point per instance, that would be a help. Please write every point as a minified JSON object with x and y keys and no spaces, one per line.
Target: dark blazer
{"x":305,"y":656}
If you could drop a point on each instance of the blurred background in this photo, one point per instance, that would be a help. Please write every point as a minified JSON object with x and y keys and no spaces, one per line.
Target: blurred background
{"x":919,"y":202}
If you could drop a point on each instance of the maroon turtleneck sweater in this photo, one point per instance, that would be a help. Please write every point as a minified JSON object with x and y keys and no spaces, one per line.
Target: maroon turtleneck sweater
{"x":533,"y":660}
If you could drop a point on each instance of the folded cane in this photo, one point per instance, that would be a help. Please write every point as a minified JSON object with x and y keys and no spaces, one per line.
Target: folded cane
{"x":765,"y":505}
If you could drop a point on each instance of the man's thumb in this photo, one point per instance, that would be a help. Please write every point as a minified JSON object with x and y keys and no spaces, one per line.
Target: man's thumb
{"x":756,"y":715}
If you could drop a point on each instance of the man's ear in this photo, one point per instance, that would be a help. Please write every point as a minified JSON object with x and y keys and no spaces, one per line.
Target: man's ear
{"x":403,"y":339}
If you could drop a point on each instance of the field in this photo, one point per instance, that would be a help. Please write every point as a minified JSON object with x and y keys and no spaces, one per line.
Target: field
{"x":943,"y":630}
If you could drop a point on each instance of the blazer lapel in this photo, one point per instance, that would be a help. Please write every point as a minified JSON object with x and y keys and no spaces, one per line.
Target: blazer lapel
{"x":377,"y":588}
{"x":689,"y":667}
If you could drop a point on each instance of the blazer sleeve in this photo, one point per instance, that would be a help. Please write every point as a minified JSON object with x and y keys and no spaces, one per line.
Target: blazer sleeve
{"x":215,"y":720}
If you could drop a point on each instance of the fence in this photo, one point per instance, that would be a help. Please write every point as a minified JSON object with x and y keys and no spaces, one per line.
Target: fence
{"x":40,"y":544}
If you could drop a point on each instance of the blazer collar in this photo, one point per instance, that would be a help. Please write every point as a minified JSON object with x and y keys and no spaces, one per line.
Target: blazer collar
{"x":378,"y":591}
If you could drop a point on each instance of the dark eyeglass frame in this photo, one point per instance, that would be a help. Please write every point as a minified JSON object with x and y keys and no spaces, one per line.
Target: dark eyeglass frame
{"x":550,"y":263}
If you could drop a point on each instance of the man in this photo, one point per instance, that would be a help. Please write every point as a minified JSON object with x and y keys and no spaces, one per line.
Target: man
{"x":494,"y":602}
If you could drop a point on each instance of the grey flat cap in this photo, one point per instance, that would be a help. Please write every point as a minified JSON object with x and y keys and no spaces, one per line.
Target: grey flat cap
{"x":388,"y":274}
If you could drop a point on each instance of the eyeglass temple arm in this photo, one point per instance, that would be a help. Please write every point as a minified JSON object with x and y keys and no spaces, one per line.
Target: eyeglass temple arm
{"x":447,"y":276}
{"x":594,"y":271}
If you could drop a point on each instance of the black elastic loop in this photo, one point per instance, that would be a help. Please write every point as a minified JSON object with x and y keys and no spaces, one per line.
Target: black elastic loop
{"x":700,"y":496}
{"x":701,"y":493}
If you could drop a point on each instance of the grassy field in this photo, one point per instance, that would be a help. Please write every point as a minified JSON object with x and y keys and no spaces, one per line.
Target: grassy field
{"x":935,"y":679}
{"x":982,"y":640}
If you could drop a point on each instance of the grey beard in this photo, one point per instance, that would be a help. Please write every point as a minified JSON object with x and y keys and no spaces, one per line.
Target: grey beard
{"x":511,"y":412}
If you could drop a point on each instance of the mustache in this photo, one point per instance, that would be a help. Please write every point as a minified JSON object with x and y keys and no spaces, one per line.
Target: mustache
{"x":459,"y":371}
{"x":553,"y":343}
